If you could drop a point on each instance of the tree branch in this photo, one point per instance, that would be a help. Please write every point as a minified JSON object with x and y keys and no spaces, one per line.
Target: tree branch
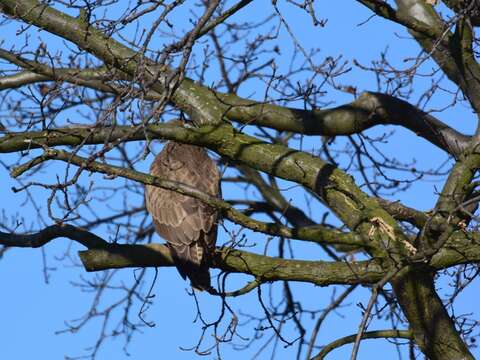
{"x":317,"y":234}
{"x":469,"y":8}
{"x":44,"y":236}
{"x":378,"y":334}
{"x":432,"y":327}
{"x":455,"y":56}
{"x":369,"y":110}
{"x":116,"y":55}
{"x":404,"y":213}
{"x":384,"y":10}
{"x":462,"y":248}
{"x":21,"y":79}
{"x":103,"y":255}
{"x":337,"y":189}
{"x":38,"y":72}
{"x":205,"y":105}
{"x":236,"y":261}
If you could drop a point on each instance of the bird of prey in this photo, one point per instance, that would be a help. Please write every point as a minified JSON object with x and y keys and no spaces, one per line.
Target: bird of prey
{"x":187,"y":224}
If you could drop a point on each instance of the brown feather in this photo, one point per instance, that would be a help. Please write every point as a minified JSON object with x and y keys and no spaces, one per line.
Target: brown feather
{"x":187,"y":224}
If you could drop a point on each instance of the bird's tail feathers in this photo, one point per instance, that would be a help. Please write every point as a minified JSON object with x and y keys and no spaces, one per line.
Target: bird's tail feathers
{"x":197,"y":271}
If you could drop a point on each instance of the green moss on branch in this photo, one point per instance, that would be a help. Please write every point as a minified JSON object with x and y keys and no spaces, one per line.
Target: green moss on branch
{"x":262,"y":267}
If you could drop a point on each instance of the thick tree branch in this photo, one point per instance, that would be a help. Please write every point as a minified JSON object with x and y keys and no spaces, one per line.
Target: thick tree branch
{"x":103,"y":255}
{"x":462,"y":248}
{"x":369,"y":110}
{"x":454,"y":56}
{"x":262,"y":267}
{"x":455,"y":192}
{"x":431,"y":325}
{"x":462,"y":50}
{"x":383,"y":9}
{"x":404,"y":213}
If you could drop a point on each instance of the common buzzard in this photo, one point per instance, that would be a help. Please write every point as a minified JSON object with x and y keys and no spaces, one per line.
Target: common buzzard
{"x":187,"y":224}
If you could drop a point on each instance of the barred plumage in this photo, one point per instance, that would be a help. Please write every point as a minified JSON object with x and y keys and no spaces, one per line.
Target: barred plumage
{"x":187,"y":224}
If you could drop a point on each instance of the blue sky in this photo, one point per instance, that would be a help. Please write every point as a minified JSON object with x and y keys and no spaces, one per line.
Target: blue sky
{"x":34,"y":311}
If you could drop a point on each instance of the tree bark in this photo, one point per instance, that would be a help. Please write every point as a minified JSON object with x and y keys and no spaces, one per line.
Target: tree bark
{"x":433,"y":329}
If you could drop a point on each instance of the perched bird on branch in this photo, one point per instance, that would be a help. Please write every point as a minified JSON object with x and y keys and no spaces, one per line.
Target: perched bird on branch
{"x":187,"y":224}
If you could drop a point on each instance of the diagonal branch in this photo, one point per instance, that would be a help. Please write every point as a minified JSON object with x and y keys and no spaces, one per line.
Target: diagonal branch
{"x":383,"y":9}
{"x":223,"y":17}
{"x":433,"y":329}
{"x":452,"y":52}
{"x":404,"y":213}
{"x":318,"y":234}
